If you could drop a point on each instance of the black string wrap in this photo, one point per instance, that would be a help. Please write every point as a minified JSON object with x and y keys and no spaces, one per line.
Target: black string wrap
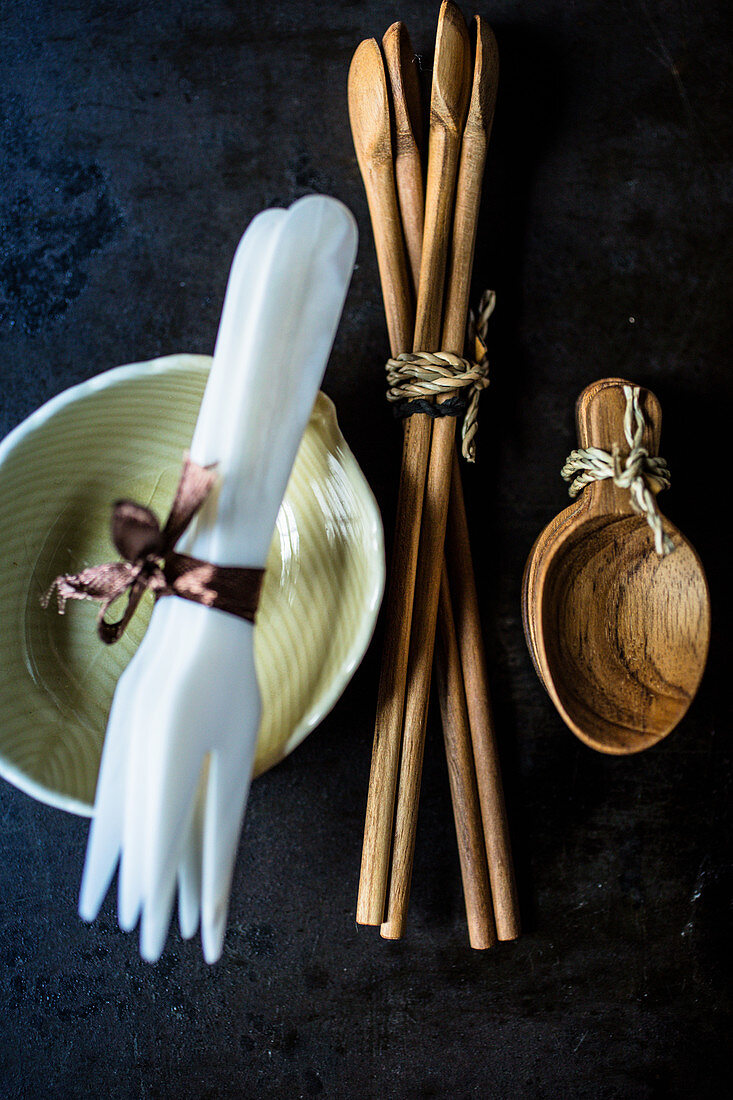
{"x":453,"y":406}
{"x":415,"y":379}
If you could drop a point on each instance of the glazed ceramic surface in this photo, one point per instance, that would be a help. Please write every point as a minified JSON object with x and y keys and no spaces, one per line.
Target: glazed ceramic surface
{"x":122,"y":434}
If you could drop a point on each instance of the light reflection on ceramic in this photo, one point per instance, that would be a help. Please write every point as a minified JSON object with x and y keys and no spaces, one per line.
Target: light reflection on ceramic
{"x":122,"y":434}
{"x":286,"y":532}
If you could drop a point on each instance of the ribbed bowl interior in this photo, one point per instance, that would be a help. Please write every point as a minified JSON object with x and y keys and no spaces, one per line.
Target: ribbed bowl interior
{"x":122,"y":435}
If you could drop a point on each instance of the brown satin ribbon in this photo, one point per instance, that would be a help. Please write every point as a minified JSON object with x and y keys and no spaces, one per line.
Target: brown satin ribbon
{"x":152,"y":563}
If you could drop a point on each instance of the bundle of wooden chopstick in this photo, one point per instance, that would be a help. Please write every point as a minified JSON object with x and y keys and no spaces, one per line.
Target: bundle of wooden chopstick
{"x":425,"y":243}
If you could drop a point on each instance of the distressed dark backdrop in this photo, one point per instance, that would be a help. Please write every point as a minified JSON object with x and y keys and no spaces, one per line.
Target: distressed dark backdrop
{"x":138,"y":139}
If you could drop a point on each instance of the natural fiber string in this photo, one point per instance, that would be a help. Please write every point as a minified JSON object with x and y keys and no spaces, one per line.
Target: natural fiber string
{"x":422,"y":374}
{"x":641,"y":473}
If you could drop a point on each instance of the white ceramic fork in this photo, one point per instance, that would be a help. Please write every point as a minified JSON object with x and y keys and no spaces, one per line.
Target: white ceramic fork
{"x":189,"y":698}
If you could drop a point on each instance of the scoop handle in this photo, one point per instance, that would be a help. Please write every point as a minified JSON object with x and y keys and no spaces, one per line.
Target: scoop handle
{"x":599,"y":414}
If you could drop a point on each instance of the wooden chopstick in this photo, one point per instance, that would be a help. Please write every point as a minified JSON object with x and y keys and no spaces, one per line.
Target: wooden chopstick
{"x":405,"y":101}
{"x":407,"y":147}
{"x":462,"y":777}
{"x":370,"y":125}
{"x":375,"y":161}
{"x":448,"y":106}
{"x":450,"y":82}
{"x":474,"y":145}
{"x":463,"y":585}
{"x":464,"y":601}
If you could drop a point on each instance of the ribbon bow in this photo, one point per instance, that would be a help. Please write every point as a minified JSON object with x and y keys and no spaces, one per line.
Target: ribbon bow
{"x":152,"y":563}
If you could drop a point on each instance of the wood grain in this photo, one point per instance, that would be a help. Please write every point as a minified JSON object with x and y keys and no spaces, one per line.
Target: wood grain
{"x":620,"y":633}
{"x":444,"y":468}
{"x":448,"y":107}
{"x":407,"y":114}
{"x":478,"y":702}
{"x":368,"y":100}
{"x":370,"y":126}
{"x":462,"y":778}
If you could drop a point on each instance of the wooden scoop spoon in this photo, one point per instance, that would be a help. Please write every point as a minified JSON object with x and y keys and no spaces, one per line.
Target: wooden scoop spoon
{"x":618,"y":633}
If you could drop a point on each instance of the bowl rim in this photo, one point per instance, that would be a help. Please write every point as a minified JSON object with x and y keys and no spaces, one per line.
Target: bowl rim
{"x":130,"y":373}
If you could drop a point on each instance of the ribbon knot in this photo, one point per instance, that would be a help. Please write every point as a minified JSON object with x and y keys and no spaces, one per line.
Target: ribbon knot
{"x":151,"y":563}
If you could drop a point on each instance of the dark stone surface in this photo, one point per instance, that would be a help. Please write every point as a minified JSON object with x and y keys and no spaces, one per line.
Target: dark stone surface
{"x":137,"y":142}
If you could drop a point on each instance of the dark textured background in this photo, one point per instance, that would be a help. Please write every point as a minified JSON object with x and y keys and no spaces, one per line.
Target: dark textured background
{"x":138,"y":139}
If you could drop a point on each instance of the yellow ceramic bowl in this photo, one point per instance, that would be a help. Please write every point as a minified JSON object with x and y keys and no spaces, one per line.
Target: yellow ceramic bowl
{"x":123,"y":434}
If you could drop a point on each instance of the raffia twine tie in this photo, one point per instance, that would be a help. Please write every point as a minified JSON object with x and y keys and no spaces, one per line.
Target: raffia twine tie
{"x":415,"y":377}
{"x":642,"y":474}
{"x":152,"y":564}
